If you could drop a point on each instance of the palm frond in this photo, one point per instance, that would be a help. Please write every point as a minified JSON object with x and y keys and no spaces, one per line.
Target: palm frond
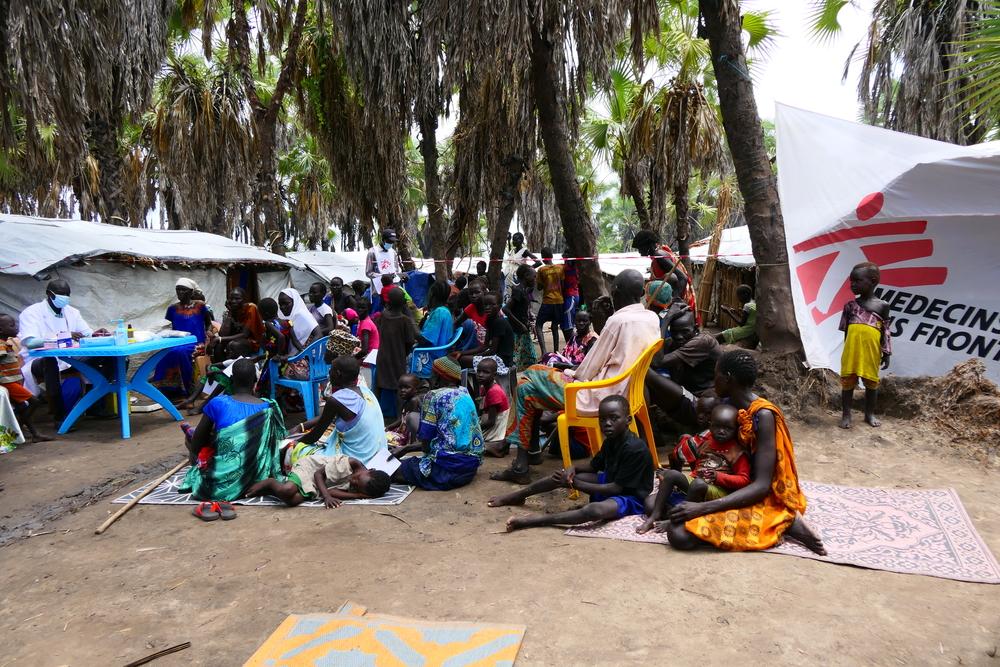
{"x":824,"y":18}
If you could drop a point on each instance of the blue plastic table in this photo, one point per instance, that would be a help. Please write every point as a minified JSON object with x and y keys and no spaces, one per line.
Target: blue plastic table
{"x":121,"y":385}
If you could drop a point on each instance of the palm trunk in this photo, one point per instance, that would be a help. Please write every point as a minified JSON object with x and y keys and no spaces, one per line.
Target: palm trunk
{"x":581,"y":238}
{"x":683,"y":224}
{"x":109,"y":199}
{"x":508,"y":202}
{"x":432,"y":192}
{"x":267,"y":231}
{"x":634,"y":190}
{"x":270,"y":229}
{"x":776,"y":325}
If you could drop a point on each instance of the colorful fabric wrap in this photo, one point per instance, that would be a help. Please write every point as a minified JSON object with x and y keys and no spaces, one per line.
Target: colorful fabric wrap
{"x":759,"y":526}
{"x":245,"y":452}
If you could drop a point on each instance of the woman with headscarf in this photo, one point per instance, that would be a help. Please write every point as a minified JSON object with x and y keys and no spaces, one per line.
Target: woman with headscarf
{"x":304,"y":331}
{"x":176,"y":370}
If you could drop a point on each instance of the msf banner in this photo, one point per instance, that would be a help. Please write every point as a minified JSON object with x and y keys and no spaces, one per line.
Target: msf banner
{"x":940,"y":277}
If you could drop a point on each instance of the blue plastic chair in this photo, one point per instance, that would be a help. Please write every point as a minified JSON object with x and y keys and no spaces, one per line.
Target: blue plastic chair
{"x":319,"y":372}
{"x":425,"y":350}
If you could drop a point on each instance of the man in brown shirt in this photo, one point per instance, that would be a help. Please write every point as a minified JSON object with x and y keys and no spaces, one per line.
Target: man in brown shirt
{"x":691,"y":355}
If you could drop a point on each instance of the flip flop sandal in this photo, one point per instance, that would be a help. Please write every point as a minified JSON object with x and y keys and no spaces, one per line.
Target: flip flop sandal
{"x":225,"y":510}
{"x":206,"y":512}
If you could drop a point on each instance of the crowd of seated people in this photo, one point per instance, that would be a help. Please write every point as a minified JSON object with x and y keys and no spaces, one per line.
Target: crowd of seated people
{"x":454,"y":377}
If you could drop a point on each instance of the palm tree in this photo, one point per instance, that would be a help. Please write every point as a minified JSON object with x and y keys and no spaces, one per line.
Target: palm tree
{"x":32,"y":179}
{"x":86,"y":69}
{"x":279,"y":28}
{"x":912,"y":76}
{"x":355,"y":96}
{"x":658,"y":135}
{"x":307,"y":190}
{"x":723,"y":28}
{"x":979,"y":64}
{"x":545,"y":56}
{"x":203,"y":145}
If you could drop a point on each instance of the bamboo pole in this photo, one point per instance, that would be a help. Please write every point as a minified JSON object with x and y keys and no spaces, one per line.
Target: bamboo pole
{"x":708,"y":276}
{"x":132,"y":503}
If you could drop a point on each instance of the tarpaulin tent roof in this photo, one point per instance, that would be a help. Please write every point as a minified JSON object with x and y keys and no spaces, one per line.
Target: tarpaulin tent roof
{"x":926,"y":212}
{"x":349,"y":266}
{"x":734,"y":248}
{"x":33,"y":245}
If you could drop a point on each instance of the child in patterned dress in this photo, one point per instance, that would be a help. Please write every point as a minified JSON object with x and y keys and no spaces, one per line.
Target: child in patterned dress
{"x":867,"y":342}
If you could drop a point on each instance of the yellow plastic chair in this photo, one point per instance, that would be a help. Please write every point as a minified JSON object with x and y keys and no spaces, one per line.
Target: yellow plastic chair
{"x":636,"y":376}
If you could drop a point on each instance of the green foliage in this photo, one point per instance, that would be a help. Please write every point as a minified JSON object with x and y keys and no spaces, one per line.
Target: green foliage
{"x":979,"y":67}
{"x":616,"y":223}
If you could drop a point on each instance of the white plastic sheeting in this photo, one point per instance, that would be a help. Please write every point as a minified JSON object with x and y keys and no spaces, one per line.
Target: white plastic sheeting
{"x":926,"y":212}
{"x":349,"y":266}
{"x":106,"y":291}
{"x":734,"y":248}
{"x":32,"y":245}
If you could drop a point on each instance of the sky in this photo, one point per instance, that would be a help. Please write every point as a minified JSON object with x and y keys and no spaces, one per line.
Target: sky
{"x":803,"y":72}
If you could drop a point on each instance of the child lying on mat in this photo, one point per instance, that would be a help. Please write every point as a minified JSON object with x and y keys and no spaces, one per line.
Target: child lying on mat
{"x":333,"y":478}
{"x":719,"y":465}
{"x":618,"y":478}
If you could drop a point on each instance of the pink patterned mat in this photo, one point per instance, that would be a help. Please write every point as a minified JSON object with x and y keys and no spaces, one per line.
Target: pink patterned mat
{"x":898,"y":530}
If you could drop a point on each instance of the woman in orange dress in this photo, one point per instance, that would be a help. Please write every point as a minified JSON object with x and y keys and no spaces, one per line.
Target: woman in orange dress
{"x":770,"y":508}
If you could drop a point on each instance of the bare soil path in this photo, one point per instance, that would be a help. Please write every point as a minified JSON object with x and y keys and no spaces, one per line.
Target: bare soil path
{"x":160,"y":577}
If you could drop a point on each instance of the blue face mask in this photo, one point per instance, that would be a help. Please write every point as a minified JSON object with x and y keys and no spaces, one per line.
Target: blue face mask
{"x":387,"y":245}
{"x":60,"y":301}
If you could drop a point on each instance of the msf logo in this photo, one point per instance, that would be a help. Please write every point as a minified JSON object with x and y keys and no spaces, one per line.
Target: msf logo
{"x":818,"y":258}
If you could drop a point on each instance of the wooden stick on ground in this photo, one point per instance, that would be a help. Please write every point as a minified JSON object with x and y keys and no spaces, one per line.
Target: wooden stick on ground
{"x":159,"y":654}
{"x":132,"y":503}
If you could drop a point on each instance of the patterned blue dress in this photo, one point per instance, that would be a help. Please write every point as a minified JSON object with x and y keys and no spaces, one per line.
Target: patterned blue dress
{"x":449,"y":424}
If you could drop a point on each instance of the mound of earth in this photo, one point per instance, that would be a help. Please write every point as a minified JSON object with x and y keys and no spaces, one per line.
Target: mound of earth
{"x":963,"y":404}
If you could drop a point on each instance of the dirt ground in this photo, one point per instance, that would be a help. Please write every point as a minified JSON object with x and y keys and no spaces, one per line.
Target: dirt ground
{"x":160,"y":577}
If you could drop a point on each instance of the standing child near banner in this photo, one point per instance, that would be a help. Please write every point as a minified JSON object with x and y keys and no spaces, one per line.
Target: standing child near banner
{"x":867,"y":343}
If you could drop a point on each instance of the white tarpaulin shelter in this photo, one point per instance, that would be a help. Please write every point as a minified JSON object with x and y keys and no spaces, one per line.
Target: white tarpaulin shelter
{"x":926,"y":212}
{"x":349,"y":266}
{"x":125,"y":272}
{"x":734,"y":248}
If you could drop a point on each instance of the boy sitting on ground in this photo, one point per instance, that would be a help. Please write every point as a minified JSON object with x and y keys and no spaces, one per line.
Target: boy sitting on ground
{"x":403,"y":429}
{"x":618,"y":478}
{"x":22,"y":400}
{"x":720,"y":466}
{"x":333,"y":478}
{"x":493,"y":407}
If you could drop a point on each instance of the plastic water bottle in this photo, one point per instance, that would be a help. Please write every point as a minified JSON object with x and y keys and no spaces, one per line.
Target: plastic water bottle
{"x":121,"y":333}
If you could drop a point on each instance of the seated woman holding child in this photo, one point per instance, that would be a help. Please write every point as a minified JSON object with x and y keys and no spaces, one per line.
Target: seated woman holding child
{"x":241,"y":321}
{"x":770,"y":507}
{"x":236,"y":442}
{"x":448,"y":434}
